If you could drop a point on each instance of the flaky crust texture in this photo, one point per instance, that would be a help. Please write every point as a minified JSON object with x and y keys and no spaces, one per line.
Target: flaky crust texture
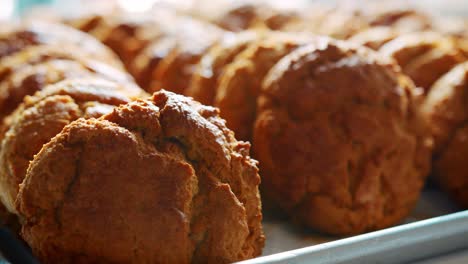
{"x":152,"y":178}
{"x":424,"y":56}
{"x":340,"y":143}
{"x":42,"y":116}
{"x":446,"y":111}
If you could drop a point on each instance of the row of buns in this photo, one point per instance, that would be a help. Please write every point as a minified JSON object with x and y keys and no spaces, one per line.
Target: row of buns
{"x":229,"y":69}
{"x":96,"y":170}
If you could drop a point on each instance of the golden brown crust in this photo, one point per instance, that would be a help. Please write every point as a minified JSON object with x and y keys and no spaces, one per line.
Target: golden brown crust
{"x":446,"y":109}
{"x":424,"y":56}
{"x":42,"y":33}
{"x":27,"y":72}
{"x":240,"y":83}
{"x":205,"y":78}
{"x":152,"y":178}
{"x":43,"y":116}
{"x":340,"y":158}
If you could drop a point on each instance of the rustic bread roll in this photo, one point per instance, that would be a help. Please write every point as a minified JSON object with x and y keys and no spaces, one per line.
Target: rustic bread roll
{"x":340,"y":143}
{"x":424,"y":56}
{"x":37,"y":33}
{"x":241,"y":81}
{"x":446,"y":109}
{"x":29,"y":71}
{"x":204,"y":81}
{"x":43,"y":116}
{"x":156,"y":181}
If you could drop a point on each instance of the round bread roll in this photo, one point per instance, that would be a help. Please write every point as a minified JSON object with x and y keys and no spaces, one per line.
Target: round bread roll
{"x":424,"y":56}
{"x":446,"y":109}
{"x":193,"y":39}
{"x":205,"y":78}
{"x":33,"y":73}
{"x":241,"y":81}
{"x":42,"y":116}
{"x":156,"y":181}
{"x":341,"y":144}
{"x":148,"y":59}
{"x":37,"y":33}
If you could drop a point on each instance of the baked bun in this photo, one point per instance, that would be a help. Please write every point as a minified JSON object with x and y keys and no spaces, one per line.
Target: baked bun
{"x":169,"y":60}
{"x":446,"y":109}
{"x":30,"y":70}
{"x":424,"y":56}
{"x":156,"y":181}
{"x":43,"y":116}
{"x":340,"y":143}
{"x":240,"y":83}
{"x":37,"y":33}
{"x":193,"y":39}
{"x":211,"y":66}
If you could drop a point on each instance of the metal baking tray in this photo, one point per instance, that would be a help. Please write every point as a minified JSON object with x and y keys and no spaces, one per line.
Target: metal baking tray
{"x":435,"y":227}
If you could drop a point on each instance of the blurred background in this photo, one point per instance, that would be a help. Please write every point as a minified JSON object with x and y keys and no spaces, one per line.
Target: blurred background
{"x":10,"y":9}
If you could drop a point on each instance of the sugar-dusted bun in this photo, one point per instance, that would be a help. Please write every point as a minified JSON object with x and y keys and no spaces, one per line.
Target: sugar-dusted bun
{"x":424,"y":56}
{"x":240,"y":84}
{"x":43,"y":116}
{"x":446,"y":110}
{"x":156,"y":181}
{"x":341,"y":145}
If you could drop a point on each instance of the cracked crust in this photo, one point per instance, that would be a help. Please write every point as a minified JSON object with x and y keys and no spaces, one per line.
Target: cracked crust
{"x":151,"y":178}
{"x":446,"y":111}
{"x":205,"y":79}
{"x":42,"y":33}
{"x":240,"y":83}
{"x":424,"y":56}
{"x":42,"y":116}
{"x":32,"y":69}
{"x":340,"y":143}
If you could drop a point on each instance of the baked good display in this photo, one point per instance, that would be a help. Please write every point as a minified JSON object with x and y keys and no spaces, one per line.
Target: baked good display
{"x":155,"y":177}
{"x":424,"y":56}
{"x":42,"y":116}
{"x":205,"y":79}
{"x":240,"y":83}
{"x":340,"y":158}
{"x":446,"y":111}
